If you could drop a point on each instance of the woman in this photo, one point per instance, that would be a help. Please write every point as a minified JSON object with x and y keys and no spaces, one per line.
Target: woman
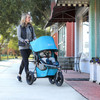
{"x":25,"y":33}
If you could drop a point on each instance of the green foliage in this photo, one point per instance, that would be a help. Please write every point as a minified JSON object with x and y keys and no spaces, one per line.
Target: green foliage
{"x":5,"y":57}
{"x":12,"y":31}
{"x":40,"y":10}
{"x":10,"y":12}
{"x":2,"y":41}
{"x":13,"y":40}
{"x":39,"y":31}
{"x":10,"y":15}
{"x":95,"y":60}
{"x":1,"y":38}
{"x":13,"y":44}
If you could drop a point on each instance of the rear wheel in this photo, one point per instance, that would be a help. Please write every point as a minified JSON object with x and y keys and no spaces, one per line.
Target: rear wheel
{"x":59,"y":79}
{"x":30,"y":77}
{"x":52,"y":79}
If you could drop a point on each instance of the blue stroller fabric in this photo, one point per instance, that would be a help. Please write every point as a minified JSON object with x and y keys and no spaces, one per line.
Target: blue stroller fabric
{"x":43,"y":43}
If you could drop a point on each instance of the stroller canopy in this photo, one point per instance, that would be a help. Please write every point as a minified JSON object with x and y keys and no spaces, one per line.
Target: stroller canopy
{"x":43,"y":43}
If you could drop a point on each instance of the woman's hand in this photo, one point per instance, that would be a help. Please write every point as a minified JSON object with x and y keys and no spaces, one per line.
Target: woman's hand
{"x":26,"y":41}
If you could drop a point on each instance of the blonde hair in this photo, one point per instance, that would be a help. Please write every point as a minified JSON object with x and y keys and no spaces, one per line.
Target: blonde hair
{"x":23,"y":18}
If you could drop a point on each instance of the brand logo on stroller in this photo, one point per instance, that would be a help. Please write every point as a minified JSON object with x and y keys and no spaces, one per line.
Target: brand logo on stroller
{"x":50,"y":44}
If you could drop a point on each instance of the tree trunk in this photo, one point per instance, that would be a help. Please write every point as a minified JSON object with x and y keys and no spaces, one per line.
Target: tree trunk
{"x":0,"y":53}
{"x":13,"y":54}
{"x":7,"y":53}
{"x":7,"y":56}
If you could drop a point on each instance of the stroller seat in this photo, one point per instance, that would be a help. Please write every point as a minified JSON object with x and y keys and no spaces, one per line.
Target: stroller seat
{"x":50,"y":61}
{"x":41,"y":66}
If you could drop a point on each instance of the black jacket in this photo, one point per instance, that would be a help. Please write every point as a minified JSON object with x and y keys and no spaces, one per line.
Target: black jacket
{"x":24,"y":34}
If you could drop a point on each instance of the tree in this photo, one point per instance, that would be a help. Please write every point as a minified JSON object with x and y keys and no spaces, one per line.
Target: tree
{"x":8,"y":38}
{"x":40,"y":10}
{"x":13,"y":45}
{"x":11,"y":10}
{"x":39,"y":31}
{"x":13,"y":40}
{"x":1,"y":43}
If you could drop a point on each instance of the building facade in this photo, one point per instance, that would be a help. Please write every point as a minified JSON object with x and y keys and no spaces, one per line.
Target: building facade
{"x":86,"y":18}
{"x":63,"y":34}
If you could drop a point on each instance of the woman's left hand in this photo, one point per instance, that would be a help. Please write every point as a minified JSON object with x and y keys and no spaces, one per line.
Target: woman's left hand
{"x":26,"y":41}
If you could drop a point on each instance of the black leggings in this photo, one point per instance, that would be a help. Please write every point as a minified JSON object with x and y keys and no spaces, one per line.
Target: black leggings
{"x":25,"y":53}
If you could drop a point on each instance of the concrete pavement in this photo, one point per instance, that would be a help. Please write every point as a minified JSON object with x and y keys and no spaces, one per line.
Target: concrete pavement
{"x":11,"y":89}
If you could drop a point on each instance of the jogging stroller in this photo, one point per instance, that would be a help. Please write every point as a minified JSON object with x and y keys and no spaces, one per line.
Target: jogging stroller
{"x":47,"y":65}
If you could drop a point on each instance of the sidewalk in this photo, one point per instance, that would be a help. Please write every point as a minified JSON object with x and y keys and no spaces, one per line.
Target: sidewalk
{"x":80,"y":82}
{"x":41,"y":89}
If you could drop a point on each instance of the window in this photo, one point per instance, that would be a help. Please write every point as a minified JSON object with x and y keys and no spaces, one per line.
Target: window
{"x":61,"y":41}
{"x":83,"y":33}
{"x":85,"y":25}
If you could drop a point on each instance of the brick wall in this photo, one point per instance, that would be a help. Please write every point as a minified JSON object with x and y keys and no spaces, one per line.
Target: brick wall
{"x":55,"y":37}
{"x":70,"y":39}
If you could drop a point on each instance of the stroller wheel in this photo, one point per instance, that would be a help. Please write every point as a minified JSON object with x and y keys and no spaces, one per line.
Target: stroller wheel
{"x":59,"y":79}
{"x":30,"y":77}
{"x":52,"y":79}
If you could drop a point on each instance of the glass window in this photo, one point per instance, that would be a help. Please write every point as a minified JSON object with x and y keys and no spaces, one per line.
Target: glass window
{"x":61,"y":41}
{"x":85,"y":25}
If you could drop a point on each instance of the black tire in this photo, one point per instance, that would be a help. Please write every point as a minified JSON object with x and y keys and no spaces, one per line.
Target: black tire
{"x":52,"y":79}
{"x":59,"y":79}
{"x":30,"y":78}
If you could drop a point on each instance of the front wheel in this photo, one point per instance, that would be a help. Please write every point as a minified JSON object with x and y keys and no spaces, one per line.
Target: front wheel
{"x":52,"y":79}
{"x":30,"y":77}
{"x":59,"y":79}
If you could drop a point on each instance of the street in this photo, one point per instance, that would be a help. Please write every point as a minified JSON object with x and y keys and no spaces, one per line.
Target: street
{"x":41,"y":89}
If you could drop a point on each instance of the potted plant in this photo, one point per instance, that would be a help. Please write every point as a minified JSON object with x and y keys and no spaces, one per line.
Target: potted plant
{"x":98,"y":71}
{"x":93,"y":69}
